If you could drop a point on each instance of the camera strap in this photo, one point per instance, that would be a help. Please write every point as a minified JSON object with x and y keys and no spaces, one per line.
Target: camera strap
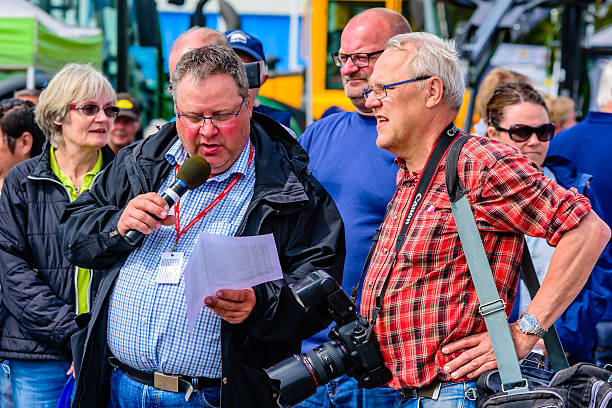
{"x":367,"y":261}
{"x":431,"y":168}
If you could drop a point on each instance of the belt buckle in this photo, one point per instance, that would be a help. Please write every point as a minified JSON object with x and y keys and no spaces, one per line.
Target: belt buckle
{"x":165,"y":382}
{"x":431,"y":391}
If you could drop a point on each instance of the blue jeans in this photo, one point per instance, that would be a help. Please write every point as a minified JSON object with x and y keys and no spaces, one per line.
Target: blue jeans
{"x":37,"y":383}
{"x":452,"y":395}
{"x":127,"y":393}
{"x":342,"y":392}
{"x":6,"y":396}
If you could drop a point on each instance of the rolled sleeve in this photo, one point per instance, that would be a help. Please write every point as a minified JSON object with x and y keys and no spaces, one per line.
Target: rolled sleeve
{"x":516,"y":196}
{"x":572,"y":208}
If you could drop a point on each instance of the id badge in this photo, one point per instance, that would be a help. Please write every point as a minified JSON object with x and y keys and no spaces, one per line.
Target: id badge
{"x":169,"y":270}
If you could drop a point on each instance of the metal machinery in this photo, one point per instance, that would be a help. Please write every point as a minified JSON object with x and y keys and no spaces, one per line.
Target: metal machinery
{"x":491,"y":20}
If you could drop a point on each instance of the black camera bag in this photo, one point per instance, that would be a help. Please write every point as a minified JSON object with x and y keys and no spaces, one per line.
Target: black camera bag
{"x":582,"y":385}
{"x":587,"y":385}
{"x":579,"y":386}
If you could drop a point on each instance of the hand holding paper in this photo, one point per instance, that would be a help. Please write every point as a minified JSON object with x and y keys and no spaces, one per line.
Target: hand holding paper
{"x":228,"y":265}
{"x":233,"y":306}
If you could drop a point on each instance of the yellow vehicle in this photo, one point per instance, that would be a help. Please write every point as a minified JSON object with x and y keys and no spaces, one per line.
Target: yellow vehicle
{"x":320,"y":87}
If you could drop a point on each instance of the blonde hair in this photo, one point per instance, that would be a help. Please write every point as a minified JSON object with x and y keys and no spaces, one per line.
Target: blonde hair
{"x":491,"y":81}
{"x":75,"y":82}
{"x":559,"y":108}
{"x":436,"y":57}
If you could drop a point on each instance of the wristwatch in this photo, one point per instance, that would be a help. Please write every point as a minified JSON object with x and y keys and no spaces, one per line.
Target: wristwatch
{"x":530,"y":325}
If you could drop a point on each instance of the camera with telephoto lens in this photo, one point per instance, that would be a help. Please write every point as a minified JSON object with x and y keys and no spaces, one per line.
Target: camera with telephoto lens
{"x":353,"y":349}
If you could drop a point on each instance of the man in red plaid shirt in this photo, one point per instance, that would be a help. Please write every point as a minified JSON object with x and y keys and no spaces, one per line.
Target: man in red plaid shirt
{"x":431,"y":335}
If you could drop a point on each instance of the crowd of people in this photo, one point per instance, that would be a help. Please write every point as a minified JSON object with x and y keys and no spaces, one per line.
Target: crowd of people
{"x":349,"y":196}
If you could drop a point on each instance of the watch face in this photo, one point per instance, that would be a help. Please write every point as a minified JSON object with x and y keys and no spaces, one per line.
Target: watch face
{"x":527,"y":323}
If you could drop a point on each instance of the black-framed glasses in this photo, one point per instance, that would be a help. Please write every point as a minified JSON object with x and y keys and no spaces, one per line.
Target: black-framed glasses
{"x":380,"y":90}
{"x":219,"y":121}
{"x":522,"y":133}
{"x":92,"y":110}
{"x":360,"y":59}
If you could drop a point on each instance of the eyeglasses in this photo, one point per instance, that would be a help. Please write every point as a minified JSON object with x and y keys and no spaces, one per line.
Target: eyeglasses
{"x":92,"y":110}
{"x":380,"y":90}
{"x":219,"y":121}
{"x":360,"y":59}
{"x":522,"y":133}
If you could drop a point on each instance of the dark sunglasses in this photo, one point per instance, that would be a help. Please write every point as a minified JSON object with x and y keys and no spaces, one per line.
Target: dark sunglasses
{"x":522,"y":133}
{"x":92,"y":110}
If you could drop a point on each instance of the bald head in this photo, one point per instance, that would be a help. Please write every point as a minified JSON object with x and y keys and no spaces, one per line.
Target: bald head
{"x":367,"y":32}
{"x":380,"y":19}
{"x":195,"y":37}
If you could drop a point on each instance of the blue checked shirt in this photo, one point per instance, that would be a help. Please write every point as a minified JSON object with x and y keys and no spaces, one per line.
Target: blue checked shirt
{"x":148,"y":321}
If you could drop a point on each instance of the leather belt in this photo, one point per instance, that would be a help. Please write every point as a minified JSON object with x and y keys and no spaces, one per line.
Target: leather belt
{"x":432,"y":390}
{"x":166,"y":382}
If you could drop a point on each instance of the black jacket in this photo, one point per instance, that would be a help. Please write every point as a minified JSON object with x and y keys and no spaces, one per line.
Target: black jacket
{"x":38,"y":282}
{"x":287,"y":201}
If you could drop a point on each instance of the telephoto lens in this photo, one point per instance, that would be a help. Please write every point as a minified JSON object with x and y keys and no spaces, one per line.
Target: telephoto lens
{"x":352,"y":350}
{"x":297,"y":377}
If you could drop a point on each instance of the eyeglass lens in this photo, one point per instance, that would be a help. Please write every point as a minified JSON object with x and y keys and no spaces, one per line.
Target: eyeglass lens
{"x":522,"y":133}
{"x":196,"y":122}
{"x":359,"y":60}
{"x":92,"y":110}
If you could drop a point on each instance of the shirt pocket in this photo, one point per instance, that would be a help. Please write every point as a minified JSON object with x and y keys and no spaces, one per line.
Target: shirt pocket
{"x":431,"y":242}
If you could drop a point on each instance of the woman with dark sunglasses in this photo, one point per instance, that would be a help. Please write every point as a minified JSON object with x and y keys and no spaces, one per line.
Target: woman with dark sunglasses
{"x":517,"y":115}
{"x":44,"y":297}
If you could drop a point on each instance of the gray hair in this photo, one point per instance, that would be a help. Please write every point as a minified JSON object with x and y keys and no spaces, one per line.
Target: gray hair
{"x":433,"y":56}
{"x":604,"y":94}
{"x":207,"y":61}
{"x":74,"y":83}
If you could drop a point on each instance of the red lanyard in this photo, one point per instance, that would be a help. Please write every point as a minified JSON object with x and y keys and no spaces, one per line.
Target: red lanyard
{"x":208,"y":207}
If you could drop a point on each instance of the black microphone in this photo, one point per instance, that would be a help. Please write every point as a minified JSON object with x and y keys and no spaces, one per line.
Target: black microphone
{"x":192,"y":174}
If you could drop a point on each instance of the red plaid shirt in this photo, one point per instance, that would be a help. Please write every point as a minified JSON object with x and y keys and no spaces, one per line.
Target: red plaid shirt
{"x":430,"y":300}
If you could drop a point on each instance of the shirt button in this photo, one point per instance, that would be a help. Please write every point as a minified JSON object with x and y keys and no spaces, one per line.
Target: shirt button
{"x":143,"y":359}
{"x":144,"y":321}
{"x":396,"y":217}
{"x":370,"y":283}
{"x":224,"y":380}
{"x":385,"y":250}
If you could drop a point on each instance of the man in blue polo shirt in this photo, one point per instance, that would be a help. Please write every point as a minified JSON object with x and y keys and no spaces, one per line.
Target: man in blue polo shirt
{"x":360,"y":176}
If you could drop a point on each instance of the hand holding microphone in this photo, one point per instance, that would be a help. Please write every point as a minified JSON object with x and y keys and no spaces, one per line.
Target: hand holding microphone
{"x":149,"y":211}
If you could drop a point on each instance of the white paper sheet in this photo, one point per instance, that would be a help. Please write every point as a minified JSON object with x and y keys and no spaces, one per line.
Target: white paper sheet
{"x":220,"y":262}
